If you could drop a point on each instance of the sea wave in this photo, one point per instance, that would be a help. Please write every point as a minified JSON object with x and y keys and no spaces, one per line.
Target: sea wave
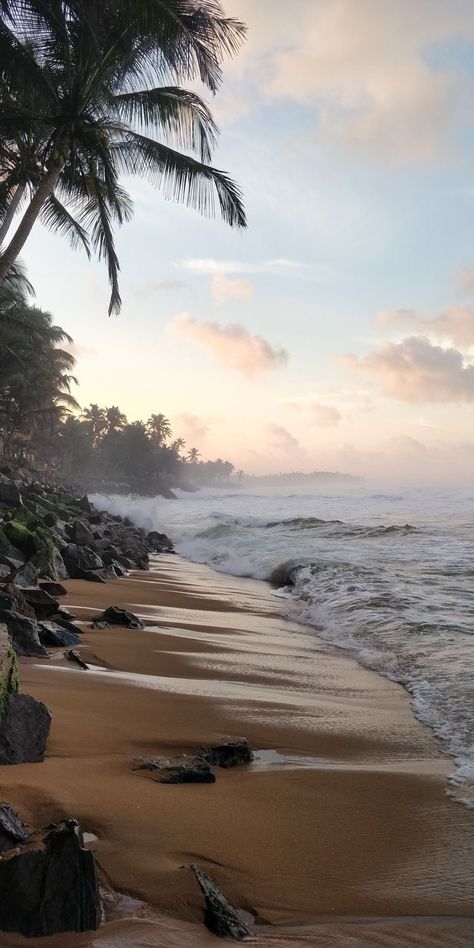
{"x":398,"y":595}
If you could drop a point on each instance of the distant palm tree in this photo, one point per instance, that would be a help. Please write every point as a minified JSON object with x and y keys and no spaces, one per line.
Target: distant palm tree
{"x":115,"y":419}
{"x":82,"y":83}
{"x":178,"y":445}
{"x":159,"y":428}
{"x":193,"y":455}
{"x":95,"y":418}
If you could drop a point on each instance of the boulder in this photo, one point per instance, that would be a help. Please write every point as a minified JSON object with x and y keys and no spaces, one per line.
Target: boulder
{"x":159,"y":542}
{"x":52,"y":635}
{"x":91,"y":575}
{"x":23,"y":633}
{"x":81,"y":534}
{"x":9,"y":492}
{"x":116,"y":616}
{"x":9,"y":591}
{"x":85,"y":504}
{"x":50,"y":564}
{"x":53,"y":588}
{"x":58,"y":619}
{"x":182,"y":769}
{"x":26,"y":575}
{"x":22,"y":538}
{"x":49,"y":884}
{"x":220,"y":917}
{"x":24,"y":730}
{"x":8,"y":602}
{"x":40,"y":601}
{"x":80,"y":559}
{"x":12,"y":830}
{"x":230,"y":753}
{"x":8,"y":669}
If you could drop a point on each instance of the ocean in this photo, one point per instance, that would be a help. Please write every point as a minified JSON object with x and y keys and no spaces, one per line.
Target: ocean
{"x":387,"y":575}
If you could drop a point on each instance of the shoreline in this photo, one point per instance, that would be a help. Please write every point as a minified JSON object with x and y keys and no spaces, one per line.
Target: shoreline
{"x":347,"y":815}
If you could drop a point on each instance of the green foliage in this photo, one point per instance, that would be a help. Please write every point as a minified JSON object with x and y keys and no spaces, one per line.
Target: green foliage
{"x":92,"y":91}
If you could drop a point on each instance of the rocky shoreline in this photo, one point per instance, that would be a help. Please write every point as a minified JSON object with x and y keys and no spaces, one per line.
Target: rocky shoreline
{"x":47,"y":534}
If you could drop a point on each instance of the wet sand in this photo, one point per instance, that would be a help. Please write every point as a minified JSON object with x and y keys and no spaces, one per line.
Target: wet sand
{"x":341,"y":833}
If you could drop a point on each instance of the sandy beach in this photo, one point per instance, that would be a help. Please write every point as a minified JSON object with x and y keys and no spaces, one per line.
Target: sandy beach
{"x":340,"y":833}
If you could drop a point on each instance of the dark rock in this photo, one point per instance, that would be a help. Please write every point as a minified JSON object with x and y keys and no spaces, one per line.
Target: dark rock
{"x":116,"y":616}
{"x":81,"y":534}
{"x":27,"y":575}
{"x":74,"y":656}
{"x":22,"y":538}
{"x":12,"y":830}
{"x":9,"y":492}
{"x":14,"y":592}
{"x":50,"y":564}
{"x":23,"y":633}
{"x":58,"y":619}
{"x":52,"y":635}
{"x":100,"y":625}
{"x":220,"y":917}
{"x":80,"y":559}
{"x":8,"y":602}
{"x":85,"y":504}
{"x":159,"y":542}
{"x":24,"y":730}
{"x":180,"y":770}
{"x":40,"y":601}
{"x":49,"y":884}
{"x":230,"y":753}
{"x":108,"y":572}
{"x":91,"y":575}
{"x":53,"y":588}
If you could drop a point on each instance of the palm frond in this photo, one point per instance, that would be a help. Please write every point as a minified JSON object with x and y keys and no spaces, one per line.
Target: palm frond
{"x":181,"y":178}
{"x":182,"y":115}
{"x":57,"y":218}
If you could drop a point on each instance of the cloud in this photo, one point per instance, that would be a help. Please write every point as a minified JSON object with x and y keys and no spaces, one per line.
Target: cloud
{"x":232,"y":345}
{"x":464,"y":281}
{"x":223,"y":288}
{"x":210,"y":267}
{"x":326,"y":416}
{"x":191,"y":427}
{"x":455,"y":323}
{"x":281,"y":439}
{"x":365,"y":69}
{"x":415,"y":370}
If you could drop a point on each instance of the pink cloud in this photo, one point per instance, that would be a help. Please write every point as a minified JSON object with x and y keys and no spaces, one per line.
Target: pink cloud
{"x":224,"y":288}
{"x":232,"y":345}
{"x":455,"y":323}
{"x":415,"y":370}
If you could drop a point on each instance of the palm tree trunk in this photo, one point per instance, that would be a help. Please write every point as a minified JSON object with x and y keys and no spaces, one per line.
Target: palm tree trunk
{"x":11,"y":211}
{"x":30,"y":216}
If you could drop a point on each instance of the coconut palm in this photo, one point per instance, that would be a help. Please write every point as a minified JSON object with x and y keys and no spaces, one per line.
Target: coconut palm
{"x":193,"y":455}
{"x":177,"y":445}
{"x":85,"y":88}
{"x":115,"y":419}
{"x":95,"y":418}
{"x":159,"y":428}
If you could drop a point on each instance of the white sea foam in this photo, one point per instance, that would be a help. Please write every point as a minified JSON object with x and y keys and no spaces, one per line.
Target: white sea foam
{"x":388,"y":576}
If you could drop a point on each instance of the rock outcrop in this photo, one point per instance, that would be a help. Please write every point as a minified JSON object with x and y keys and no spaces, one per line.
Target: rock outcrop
{"x":231,"y":753}
{"x":116,"y":616}
{"x":49,"y":884}
{"x":24,"y":730}
{"x":220,"y":917}
{"x":182,"y":769}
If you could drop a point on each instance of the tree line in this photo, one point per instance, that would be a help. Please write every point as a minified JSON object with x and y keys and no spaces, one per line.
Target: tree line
{"x":41,"y":422}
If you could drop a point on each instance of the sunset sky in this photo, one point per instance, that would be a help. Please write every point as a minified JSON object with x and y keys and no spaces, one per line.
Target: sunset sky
{"x":338,"y":330}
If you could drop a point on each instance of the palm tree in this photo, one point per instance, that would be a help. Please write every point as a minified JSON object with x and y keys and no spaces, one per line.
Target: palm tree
{"x":193,"y":455}
{"x":95,"y":417}
{"x":78,"y":101}
{"x":159,"y":428}
{"x":115,"y":419}
{"x":177,"y":445}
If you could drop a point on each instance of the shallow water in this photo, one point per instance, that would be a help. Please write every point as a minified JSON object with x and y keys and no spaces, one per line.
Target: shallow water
{"x":387,"y":575}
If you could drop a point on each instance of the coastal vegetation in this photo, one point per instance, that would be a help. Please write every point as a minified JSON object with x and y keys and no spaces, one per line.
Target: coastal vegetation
{"x":43,"y":428}
{"x":92,"y":92}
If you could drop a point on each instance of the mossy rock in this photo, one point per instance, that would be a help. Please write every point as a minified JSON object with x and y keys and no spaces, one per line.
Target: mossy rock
{"x":9,"y":678}
{"x":21,"y":537}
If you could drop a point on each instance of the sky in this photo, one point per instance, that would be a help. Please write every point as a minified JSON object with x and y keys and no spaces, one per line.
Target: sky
{"x":337,"y":331}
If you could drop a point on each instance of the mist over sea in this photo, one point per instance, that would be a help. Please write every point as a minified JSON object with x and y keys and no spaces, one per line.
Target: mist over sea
{"x":388,"y":575}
